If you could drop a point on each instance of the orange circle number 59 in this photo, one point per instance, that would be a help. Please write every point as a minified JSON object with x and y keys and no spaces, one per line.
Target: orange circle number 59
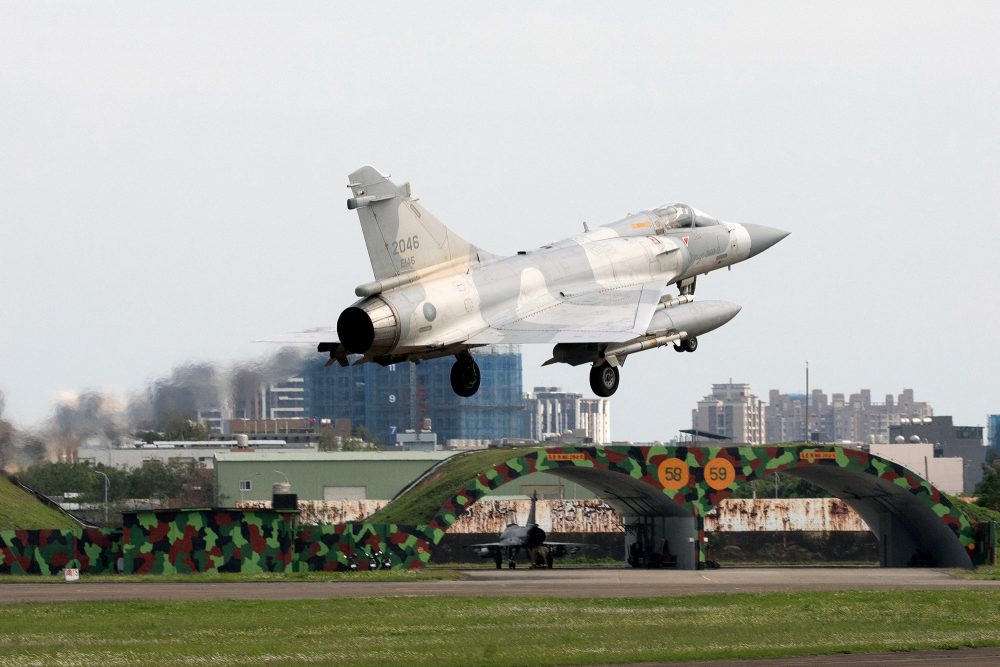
{"x":719,"y":473}
{"x":673,"y":474}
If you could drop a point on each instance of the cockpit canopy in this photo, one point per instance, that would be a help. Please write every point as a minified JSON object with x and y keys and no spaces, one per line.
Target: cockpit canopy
{"x":679,"y":216}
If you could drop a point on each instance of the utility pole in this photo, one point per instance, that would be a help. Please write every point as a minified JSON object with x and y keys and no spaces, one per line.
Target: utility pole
{"x":107,"y":485}
{"x":808,"y":437}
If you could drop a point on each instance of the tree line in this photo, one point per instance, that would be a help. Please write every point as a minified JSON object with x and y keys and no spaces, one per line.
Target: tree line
{"x":171,"y":484}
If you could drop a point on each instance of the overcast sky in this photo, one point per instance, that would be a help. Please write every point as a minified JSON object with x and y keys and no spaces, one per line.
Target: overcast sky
{"x":172,"y":178}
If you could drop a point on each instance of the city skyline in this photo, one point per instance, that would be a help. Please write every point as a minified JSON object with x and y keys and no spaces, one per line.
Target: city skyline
{"x":232,"y":394}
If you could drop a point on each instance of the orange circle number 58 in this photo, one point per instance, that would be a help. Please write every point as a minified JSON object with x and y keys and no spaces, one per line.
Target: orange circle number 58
{"x":719,"y":474}
{"x":673,"y":474}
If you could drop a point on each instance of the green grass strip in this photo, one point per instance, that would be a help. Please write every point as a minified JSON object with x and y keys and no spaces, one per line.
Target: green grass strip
{"x":988,"y":572}
{"x":496,"y":631}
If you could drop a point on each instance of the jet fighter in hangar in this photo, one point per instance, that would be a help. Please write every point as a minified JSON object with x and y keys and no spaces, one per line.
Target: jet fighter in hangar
{"x":530,"y":538}
{"x":598,"y":296}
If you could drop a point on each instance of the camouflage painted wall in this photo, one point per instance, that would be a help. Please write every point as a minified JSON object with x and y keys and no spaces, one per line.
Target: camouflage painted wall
{"x":219,"y":540}
{"x":92,"y":550}
{"x":336,"y":547}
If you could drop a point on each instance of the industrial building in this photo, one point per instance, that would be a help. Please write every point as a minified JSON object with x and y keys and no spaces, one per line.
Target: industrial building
{"x":202,"y":452}
{"x":945,"y":472}
{"x":352,"y":476}
{"x":949,"y":440}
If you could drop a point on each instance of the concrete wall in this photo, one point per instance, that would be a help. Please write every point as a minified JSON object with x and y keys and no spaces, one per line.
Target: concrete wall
{"x":491,"y":515}
{"x":793,"y":514}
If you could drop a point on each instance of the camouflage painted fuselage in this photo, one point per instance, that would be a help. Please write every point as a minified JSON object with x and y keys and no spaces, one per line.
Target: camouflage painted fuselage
{"x":601,"y":292}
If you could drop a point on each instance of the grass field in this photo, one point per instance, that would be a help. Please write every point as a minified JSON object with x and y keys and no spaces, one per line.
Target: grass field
{"x":489,"y":631}
{"x":982,"y":572}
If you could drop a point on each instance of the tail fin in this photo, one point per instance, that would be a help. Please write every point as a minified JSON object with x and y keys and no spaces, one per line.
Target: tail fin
{"x":531,"y":512}
{"x":401,"y":235}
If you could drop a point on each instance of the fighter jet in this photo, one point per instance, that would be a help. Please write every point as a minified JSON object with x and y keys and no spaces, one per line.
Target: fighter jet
{"x":528,"y":537}
{"x":598,"y":296}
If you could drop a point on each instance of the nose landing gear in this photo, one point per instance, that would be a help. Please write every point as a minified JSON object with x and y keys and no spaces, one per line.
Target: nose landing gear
{"x":689,"y":344}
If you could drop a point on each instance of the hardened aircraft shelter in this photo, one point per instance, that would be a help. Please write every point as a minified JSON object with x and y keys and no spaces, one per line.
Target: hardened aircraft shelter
{"x":664,"y":493}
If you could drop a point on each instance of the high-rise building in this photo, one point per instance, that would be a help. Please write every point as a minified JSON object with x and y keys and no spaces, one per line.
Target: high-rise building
{"x":731,"y":411}
{"x":993,"y":437}
{"x":834,"y":418}
{"x":387,"y":400}
{"x":550,"y":412}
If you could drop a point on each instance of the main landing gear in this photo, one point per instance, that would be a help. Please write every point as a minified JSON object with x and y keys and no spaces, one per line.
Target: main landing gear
{"x":465,"y":376}
{"x":604,"y":380}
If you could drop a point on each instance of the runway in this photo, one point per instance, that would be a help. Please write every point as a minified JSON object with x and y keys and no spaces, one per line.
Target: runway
{"x":560,"y":582}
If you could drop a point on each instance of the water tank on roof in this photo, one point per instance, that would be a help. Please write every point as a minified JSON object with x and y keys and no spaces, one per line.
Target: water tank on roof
{"x":282,"y":497}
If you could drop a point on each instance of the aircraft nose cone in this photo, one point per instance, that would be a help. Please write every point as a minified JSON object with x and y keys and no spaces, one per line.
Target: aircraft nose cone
{"x":762,"y":238}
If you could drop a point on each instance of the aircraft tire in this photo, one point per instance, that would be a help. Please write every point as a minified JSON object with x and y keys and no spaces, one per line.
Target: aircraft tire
{"x":690,"y":344}
{"x":679,"y":347}
{"x":465,"y":377}
{"x":511,"y":565}
{"x":604,"y":380}
{"x":548,"y":561}
{"x":499,"y":562}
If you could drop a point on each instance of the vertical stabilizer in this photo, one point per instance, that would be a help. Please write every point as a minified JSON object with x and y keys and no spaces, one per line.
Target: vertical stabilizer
{"x":401,"y":235}
{"x":531,"y":512}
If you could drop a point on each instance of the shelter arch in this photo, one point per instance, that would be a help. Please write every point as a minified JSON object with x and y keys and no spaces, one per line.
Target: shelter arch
{"x":912,"y":519}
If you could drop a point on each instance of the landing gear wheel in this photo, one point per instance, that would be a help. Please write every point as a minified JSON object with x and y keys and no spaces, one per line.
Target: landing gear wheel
{"x":690,"y":344}
{"x":548,"y":560}
{"x":511,"y":565}
{"x":498,"y":561}
{"x":679,"y":347}
{"x":465,"y":377}
{"x":604,"y":380}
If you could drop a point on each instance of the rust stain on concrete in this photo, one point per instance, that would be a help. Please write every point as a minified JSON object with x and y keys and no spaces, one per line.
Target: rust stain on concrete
{"x":594,"y":516}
